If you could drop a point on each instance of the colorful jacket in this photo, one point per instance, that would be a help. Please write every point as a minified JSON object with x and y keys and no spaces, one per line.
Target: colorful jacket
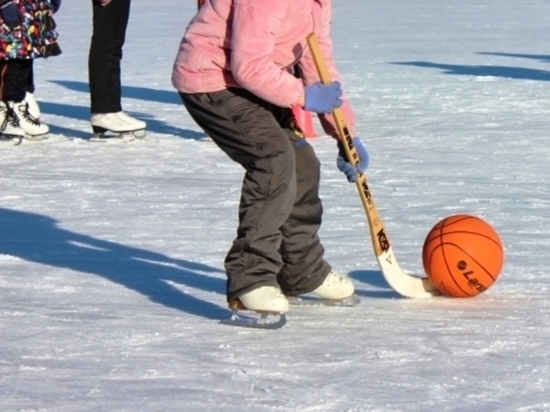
{"x":255,"y":45}
{"x":35,"y":37}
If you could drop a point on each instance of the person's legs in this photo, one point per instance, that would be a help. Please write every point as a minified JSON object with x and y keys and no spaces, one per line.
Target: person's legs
{"x":13,"y":79}
{"x":13,"y":91}
{"x":305,"y":269}
{"x":244,"y":127}
{"x":30,"y":79}
{"x":301,"y":250}
{"x":34,"y":109}
{"x":11,"y":87}
{"x":109,"y":31}
{"x":104,"y":71}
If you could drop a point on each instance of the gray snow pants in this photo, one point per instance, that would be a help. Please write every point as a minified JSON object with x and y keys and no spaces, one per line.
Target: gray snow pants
{"x":280,"y":210}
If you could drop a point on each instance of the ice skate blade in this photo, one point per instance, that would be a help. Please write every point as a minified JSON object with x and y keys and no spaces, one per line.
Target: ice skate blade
{"x":139,"y":134}
{"x":353,"y":300}
{"x":11,"y":139}
{"x":267,"y":320}
{"x":37,"y":138}
{"x":118,"y":138}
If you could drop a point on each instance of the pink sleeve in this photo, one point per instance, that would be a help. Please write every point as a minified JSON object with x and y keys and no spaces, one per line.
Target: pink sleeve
{"x":323,"y":12}
{"x":252,"y":44}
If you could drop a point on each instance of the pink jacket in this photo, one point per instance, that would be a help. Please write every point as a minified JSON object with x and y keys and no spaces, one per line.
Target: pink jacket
{"x":254,"y":44}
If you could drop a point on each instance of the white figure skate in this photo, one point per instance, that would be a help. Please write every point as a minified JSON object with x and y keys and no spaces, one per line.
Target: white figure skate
{"x":33,"y":128}
{"x":10,"y":130}
{"x":336,"y":290}
{"x":267,"y":301}
{"x":118,"y":126}
{"x":34,"y":109}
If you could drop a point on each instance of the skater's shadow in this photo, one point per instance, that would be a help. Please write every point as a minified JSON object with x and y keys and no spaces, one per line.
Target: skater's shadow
{"x":509,"y":72}
{"x":539,"y":57}
{"x":131,"y":92}
{"x":38,"y":238}
{"x":373,"y":278}
{"x":83,"y":113}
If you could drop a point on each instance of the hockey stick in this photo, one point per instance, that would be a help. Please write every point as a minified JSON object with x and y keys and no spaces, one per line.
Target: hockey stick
{"x":403,"y":283}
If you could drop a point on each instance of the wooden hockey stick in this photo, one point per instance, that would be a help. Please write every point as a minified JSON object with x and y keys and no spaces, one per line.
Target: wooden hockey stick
{"x":403,"y":283}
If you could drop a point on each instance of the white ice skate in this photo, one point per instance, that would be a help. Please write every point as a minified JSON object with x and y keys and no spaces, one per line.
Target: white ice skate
{"x":139,"y":125}
{"x":34,"y":109}
{"x":33,"y":128}
{"x":336,"y":290}
{"x":10,"y":130}
{"x":265,"y":299}
{"x":117,"y":125}
{"x":268,"y":301}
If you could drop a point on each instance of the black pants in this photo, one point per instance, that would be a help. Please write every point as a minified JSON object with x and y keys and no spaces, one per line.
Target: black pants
{"x":109,"y":33}
{"x":16,"y":78}
{"x":280,"y":210}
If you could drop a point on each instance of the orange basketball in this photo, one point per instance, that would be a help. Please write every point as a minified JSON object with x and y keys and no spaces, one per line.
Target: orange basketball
{"x":462,"y":256}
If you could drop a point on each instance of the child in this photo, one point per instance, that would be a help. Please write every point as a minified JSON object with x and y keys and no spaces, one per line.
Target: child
{"x":27,"y":31}
{"x":234,"y":74}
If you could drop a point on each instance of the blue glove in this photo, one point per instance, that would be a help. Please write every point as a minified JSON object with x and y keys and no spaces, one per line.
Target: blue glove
{"x":11,"y":15}
{"x":346,"y":167}
{"x":323,"y":98}
{"x":56,"y":4}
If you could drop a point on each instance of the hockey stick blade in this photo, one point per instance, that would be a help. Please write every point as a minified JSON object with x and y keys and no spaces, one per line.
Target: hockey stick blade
{"x":403,"y":283}
{"x":400,"y":281}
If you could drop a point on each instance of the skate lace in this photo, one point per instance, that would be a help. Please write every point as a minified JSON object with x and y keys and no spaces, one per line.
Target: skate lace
{"x":23,"y":109}
{"x":126,"y":117}
{"x":9,"y":117}
{"x":129,"y":119}
{"x":334,"y":280}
